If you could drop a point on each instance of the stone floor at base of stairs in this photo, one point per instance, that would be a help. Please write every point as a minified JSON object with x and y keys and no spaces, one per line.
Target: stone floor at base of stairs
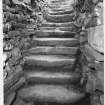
{"x":84,"y":101}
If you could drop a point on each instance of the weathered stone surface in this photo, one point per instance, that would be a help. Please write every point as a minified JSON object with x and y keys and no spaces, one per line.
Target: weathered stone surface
{"x":96,"y":99}
{"x":9,"y":99}
{"x":64,"y":11}
{"x":96,"y":38}
{"x":59,"y":18}
{"x":66,"y":68}
{"x":92,"y":53}
{"x":53,"y":50}
{"x":59,"y":1}
{"x":51,"y":24}
{"x":19,"y":101}
{"x":54,"y":33}
{"x":68,"y":29}
{"x":55,"y":42}
{"x":52,"y":78}
{"x":16,"y":86}
{"x":102,"y":99}
{"x":50,"y":93}
{"x":100,"y":79}
{"x":12,"y":79}
{"x":49,"y":60}
{"x":60,"y":4}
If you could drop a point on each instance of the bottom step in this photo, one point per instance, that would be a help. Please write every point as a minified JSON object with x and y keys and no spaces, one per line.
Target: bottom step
{"x":51,"y":93}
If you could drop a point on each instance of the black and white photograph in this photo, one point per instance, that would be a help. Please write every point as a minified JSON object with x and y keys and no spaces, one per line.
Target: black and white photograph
{"x":53,"y":52}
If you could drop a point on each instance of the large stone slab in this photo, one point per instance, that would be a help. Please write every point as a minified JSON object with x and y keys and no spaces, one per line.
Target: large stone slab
{"x":53,"y":50}
{"x":52,"y":78}
{"x":55,"y":42}
{"x":50,"y":93}
{"x":59,"y":18}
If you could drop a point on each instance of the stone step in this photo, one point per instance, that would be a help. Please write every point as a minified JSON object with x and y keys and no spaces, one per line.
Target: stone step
{"x":51,"y":93}
{"x":60,"y":5}
{"x":53,"y":50}
{"x":52,"y":78}
{"x":54,"y":33}
{"x":68,"y":29}
{"x":60,"y":12}
{"x":59,"y":1}
{"x":59,"y":18}
{"x":66,"y":68}
{"x":49,"y":60}
{"x":54,"y":42}
{"x":59,"y":8}
{"x":55,"y":1}
{"x":51,"y":24}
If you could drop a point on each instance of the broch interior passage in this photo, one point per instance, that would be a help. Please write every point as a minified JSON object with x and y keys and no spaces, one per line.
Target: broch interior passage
{"x":53,"y":52}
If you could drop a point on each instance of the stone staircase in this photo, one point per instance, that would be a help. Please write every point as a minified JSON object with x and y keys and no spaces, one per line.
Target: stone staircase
{"x":52,"y":68}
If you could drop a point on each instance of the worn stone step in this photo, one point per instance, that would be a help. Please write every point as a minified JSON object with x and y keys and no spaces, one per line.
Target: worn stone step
{"x":55,"y":1}
{"x":52,"y":78}
{"x":66,"y":24}
{"x":49,"y":60}
{"x":60,"y":5}
{"x":60,"y":12}
{"x":54,"y":42}
{"x":53,"y":50}
{"x":68,"y":29}
{"x":59,"y":8}
{"x":66,"y":68}
{"x":54,"y":33}
{"x":59,"y":18}
{"x":51,"y":93}
{"x":59,"y":1}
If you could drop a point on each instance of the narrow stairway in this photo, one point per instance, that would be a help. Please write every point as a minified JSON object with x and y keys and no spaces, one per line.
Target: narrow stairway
{"x":52,"y":68}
